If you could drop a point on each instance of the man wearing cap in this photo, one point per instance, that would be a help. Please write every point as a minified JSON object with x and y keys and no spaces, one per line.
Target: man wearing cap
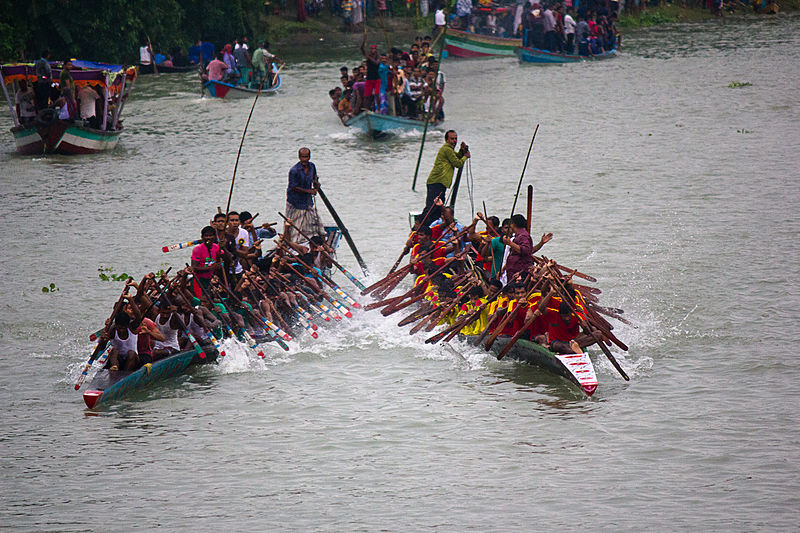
{"x":372,"y":87}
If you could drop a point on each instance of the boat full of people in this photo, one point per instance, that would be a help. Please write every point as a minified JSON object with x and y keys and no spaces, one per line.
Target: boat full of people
{"x":233,"y":288}
{"x":393,"y":91}
{"x":70,"y":107}
{"x":235,"y":73}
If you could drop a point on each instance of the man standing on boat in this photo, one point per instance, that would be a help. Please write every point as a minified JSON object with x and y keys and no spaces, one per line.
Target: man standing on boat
{"x":300,"y":207}
{"x":44,"y":79}
{"x":441,"y":176}
{"x":372,"y":87}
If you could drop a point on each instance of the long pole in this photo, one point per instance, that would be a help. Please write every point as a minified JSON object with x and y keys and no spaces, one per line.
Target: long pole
{"x":523,"y":170}
{"x":121,"y":93}
{"x":8,"y":99}
{"x":343,"y":229}
{"x":455,"y":189}
{"x":427,"y":115}
{"x":239,"y":153}
{"x":152,"y":55}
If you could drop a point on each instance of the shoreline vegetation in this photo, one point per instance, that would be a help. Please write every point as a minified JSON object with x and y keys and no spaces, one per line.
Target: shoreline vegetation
{"x":29,"y":27}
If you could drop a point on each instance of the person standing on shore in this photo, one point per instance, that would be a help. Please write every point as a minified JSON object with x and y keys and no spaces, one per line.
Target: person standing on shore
{"x":441,"y":176}
{"x":300,"y":207}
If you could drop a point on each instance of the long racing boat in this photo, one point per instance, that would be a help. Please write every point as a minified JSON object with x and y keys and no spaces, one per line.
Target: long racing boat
{"x":575,"y":368}
{"x":110,"y":385}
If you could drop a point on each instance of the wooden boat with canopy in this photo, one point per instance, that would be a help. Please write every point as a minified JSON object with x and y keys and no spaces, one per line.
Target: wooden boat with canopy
{"x":47,"y":133}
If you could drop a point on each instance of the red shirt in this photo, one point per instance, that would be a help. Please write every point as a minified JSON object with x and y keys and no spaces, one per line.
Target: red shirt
{"x":557,"y":329}
{"x":438,"y":256}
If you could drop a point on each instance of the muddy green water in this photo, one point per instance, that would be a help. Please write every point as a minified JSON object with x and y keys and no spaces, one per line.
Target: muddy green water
{"x":680,"y":194}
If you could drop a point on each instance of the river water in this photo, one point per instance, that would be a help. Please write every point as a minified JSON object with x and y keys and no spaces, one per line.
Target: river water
{"x":678,"y":193}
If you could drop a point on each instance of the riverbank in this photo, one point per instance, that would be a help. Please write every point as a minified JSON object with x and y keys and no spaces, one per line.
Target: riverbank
{"x":324,"y":35}
{"x":671,"y":13}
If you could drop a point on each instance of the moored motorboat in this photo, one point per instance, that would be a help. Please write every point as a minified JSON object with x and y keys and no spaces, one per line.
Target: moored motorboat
{"x":466,"y":44}
{"x":378,"y":125}
{"x":536,"y":55}
{"x":47,"y":133}
{"x":576,"y":368}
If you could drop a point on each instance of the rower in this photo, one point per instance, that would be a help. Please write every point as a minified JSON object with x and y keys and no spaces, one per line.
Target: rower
{"x":168,"y":323}
{"x":562,"y":330}
{"x":521,"y":252}
{"x":123,"y":344}
{"x":205,"y":260}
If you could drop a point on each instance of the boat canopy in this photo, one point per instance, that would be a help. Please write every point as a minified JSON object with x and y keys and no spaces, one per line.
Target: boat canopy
{"x":83,"y":72}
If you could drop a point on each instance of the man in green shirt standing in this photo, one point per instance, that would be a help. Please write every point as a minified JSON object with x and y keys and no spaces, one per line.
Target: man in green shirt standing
{"x":441,"y":176}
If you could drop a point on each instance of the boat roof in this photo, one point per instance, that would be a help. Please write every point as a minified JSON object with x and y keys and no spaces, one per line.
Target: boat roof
{"x":83,"y":72}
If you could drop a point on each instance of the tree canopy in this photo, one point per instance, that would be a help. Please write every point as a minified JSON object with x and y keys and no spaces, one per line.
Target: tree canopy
{"x":113,"y":30}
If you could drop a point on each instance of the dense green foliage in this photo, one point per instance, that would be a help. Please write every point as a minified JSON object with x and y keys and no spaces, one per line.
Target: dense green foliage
{"x":113,"y":30}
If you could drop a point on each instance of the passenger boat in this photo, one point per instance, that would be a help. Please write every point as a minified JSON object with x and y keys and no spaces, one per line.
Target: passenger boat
{"x":110,"y":385}
{"x":536,"y":55}
{"x":378,"y":125}
{"x":466,"y":44}
{"x":47,"y":134}
{"x":219,"y":89}
{"x":575,"y":368}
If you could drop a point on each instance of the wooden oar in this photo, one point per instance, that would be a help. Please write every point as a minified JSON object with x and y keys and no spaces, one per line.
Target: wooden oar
{"x":318,"y":275}
{"x":330,"y":258}
{"x":406,"y":249}
{"x":180,"y":245}
{"x":528,"y":322}
{"x":523,"y":171}
{"x":530,"y":207}
{"x":343,"y":229}
{"x":566,"y":298}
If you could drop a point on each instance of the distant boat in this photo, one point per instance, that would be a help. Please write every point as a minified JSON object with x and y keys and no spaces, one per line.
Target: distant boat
{"x":219,"y":89}
{"x":466,"y":44}
{"x":536,"y":55}
{"x":47,"y":133}
{"x":378,"y":125}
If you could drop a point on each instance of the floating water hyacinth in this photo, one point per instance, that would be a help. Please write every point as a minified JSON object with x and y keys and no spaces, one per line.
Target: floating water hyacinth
{"x":737,"y":84}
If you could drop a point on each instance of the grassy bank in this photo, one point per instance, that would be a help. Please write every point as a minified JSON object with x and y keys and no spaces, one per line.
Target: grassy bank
{"x":323,"y":33}
{"x":672,"y":13}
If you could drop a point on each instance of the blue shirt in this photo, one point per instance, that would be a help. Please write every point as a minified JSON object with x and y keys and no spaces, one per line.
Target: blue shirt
{"x":383,"y":74}
{"x":305,"y":180}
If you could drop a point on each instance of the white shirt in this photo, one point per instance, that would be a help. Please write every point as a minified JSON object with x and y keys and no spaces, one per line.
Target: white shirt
{"x":24,"y":100}
{"x":243,"y":240}
{"x":569,"y":24}
{"x":87,"y":97}
{"x":144,"y":55}
{"x":438,"y":18}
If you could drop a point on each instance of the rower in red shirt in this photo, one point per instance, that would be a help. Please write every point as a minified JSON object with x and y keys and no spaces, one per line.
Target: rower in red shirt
{"x":424,"y":245}
{"x":562,"y":330}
